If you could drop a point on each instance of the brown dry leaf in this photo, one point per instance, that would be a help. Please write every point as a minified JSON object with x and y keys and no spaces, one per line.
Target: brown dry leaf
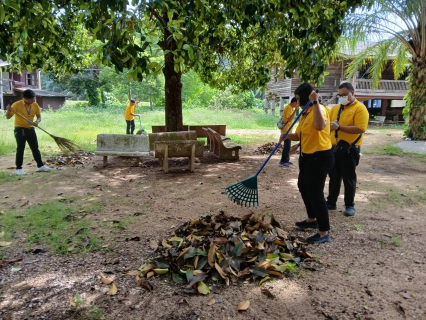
{"x":106,"y":280}
{"x":150,"y":274}
{"x":113,"y":290}
{"x":220,"y":240}
{"x":133,"y":273}
{"x":211,"y":302}
{"x":275,"y":273}
{"x":148,"y":267}
{"x":25,"y":203}
{"x":243,"y":305}
{"x":263,"y":280}
{"x":267,"y":292}
{"x":73,"y":303}
{"x":219,"y":269}
{"x":153,"y":244}
{"x":5,"y":244}
{"x":212,"y":256}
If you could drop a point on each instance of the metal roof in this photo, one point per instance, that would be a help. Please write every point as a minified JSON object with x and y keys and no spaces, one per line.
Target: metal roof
{"x":41,"y":93}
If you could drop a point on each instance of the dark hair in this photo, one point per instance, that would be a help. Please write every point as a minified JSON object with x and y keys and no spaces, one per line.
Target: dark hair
{"x":132,"y":100}
{"x":303,"y":91}
{"x":347,"y":85}
{"x":29,"y":94}
{"x":293,"y":100}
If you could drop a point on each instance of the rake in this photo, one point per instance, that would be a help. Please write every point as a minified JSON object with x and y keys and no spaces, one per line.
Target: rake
{"x":141,"y":130}
{"x":245,"y":192}
{"x":63,"y":144}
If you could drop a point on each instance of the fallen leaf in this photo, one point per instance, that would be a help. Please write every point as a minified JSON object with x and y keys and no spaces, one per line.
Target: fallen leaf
{"x":203,"y":288}
{"x":243,"y":305}
{"x":72,"y":303}
{"x":15,"y":269}
{"x":263,"y":280}
{"x":133,"y":273}
{"x":150,"y":274}
{"x":211,"y":258}
{"x":153,"y":245}
{"x":267,"y":293}
{"x":161,"y":271}
{"x":113,"y":290}
{"x":405,"y":295}
{"x":145,"y":283}
{"x":219,"y":269}
{"x":211,"y":302}
{"x":106,"y":280}
{"x":400,"y":309}
{"x":5,"y":244}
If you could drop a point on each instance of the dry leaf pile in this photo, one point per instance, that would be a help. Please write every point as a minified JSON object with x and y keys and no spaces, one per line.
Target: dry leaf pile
{"x":66,"y":159}
{"x":224,"y":249}
{"x":268,"y":147}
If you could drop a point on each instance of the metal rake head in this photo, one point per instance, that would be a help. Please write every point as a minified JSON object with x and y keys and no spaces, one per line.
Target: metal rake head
{"x":244,"y":192}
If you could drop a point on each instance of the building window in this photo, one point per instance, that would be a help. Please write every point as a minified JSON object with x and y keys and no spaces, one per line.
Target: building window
{"x":29,"y":80}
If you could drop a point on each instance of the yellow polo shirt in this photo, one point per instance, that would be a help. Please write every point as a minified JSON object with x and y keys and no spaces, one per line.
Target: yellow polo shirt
{"x":27,"y":111}
{"x":312,"y":139}
{"x":129,"y":110}
{"x":287,"y":112}
{"x":354,"y":114}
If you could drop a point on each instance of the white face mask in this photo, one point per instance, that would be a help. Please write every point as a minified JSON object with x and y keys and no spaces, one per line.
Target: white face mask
{"x":344,"y":100}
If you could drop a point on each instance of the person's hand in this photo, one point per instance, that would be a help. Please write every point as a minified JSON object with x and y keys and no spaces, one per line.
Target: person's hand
{"x":9,"y":108}
{"x":35,"y":123}
{"x":334,"y":125}
{"x":313,"y":96}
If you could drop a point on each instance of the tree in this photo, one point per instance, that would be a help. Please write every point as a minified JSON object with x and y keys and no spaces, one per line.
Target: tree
{"x":396,"y":27}
{"x":225,"y":41}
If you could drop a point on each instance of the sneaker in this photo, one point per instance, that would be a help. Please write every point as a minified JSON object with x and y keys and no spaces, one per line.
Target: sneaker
{"x":349,"y":212}
{"x":282,"y":164}
{"x":289,"y":162}
{"x":316,"y":238}
{"x":43,"y":169}
{"x":305,"y":225}
{"x":331,"y":207}
{"x":20,"y":172}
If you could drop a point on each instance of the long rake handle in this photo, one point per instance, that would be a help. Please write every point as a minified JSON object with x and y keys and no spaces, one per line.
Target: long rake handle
{"x":285,"y":135}
{"x":32,"y":122}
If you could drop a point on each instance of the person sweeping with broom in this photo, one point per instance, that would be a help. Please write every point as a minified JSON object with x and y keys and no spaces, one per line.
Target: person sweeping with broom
{"x":24,"y":129}
{"x":315,"y":162}
{"x":130,"y":115}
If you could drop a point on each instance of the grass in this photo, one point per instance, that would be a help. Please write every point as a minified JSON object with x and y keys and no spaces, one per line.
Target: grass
{"x":82,"y":124}
{"x":56,"y":224}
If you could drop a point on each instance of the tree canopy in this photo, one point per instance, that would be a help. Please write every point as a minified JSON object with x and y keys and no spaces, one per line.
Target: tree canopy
{"x":396,"y":30}
{"x":224,"y":41}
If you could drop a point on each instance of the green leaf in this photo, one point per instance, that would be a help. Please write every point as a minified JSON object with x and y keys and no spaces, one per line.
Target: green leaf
{"x":238,"y":248}
{"x":258,"y":271}
{"x":203,"y":288}
{"x":189,"y":275}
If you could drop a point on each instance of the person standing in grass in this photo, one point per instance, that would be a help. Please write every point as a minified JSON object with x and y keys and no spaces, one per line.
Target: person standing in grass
{"x":315,"y":162}
{"x":130,"y":115}
{"x":287,"y":117}
{"x":24,"y":129}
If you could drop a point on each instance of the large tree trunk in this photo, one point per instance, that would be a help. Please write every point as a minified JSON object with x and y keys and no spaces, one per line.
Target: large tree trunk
{"x":416,"y":100}
{"x":173,"y":86}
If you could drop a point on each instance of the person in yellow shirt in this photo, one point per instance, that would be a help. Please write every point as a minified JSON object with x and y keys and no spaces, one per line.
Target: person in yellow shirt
{"x":24,"y":129}
{"x":287,"y":117}
{"x":130,"y":115}
{"x":349,"y":122}
{"x":315,"y":162}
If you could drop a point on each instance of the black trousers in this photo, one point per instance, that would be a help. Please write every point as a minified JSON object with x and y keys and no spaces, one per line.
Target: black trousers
{"x":286,"y":151}
{"x":22,"y":136}
{"x":130,"y":126}
{"x":344,"y":169}
{"x":312,"y":175}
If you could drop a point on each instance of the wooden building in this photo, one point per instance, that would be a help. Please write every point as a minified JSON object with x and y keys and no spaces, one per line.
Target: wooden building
{"x":12,"y":85}
{"x":386,"y":100}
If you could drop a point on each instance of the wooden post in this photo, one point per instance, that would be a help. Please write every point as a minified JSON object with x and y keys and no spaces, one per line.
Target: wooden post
{"x":166,"y":158}
{"x":192,"y":158}
{"x":266,"y":105}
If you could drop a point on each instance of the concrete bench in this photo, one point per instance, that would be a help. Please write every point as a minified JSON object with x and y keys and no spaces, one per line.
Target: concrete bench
{"x":122,"y":145}
{"x":214,"y":147}
{"x":176,"y":144}
{"x":379,"y":120}
{"x":226,"y":149}
{"x":219,"y":128}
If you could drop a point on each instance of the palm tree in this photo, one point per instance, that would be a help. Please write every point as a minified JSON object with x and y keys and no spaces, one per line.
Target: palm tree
{"x":394,"y":28}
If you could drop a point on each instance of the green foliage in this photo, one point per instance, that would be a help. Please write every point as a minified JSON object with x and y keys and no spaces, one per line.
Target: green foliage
{"x":227,"y":100}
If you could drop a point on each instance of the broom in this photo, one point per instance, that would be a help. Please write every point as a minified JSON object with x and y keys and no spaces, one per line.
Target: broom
{"x":63,"y":144}
{"x":141,"y":130}
{"x":245,"y":192}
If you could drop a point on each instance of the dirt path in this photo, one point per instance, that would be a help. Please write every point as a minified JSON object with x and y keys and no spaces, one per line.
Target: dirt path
{"x":374,"y":268}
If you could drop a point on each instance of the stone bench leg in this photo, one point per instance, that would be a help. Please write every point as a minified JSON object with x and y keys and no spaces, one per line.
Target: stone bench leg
{"x":137,"y":161}
{"x":192,"y":159}
{"x":166,"y":158}
{"x":105,"y":161}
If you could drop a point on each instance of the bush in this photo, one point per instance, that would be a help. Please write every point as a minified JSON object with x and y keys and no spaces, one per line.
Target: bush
{"x":242,"y":100}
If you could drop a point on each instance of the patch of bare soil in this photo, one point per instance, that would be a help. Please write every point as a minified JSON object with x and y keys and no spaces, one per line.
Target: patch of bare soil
{"x":374,"y":268}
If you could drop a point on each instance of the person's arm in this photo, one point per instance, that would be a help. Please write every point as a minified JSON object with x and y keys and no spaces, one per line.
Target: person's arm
{"x":9,"y":113}
{"x":319,"y":120}
{"x":291,"y":136}
{"x":38,"y":120}
{"x":292,"y":115}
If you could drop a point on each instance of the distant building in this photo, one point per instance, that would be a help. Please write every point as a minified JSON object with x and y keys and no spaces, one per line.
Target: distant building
{"x":13,"y":84}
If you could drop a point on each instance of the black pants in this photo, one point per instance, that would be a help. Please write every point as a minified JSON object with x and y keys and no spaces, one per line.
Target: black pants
{"x":286,"y":151}
{"x":312,"y":175}
{"x":130,"y":126}
{"x":23,"y":135}
{"x":344,"y":169}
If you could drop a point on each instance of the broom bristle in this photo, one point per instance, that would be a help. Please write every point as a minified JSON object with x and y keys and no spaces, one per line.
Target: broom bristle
{"x":244,"y":192}
{"x":66,"y":145}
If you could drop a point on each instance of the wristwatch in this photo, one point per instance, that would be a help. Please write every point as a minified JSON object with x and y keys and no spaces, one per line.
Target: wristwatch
{"x":315,"y":102}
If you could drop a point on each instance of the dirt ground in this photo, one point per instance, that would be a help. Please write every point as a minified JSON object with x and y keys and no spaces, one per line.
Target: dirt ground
{"x":374,"y":268}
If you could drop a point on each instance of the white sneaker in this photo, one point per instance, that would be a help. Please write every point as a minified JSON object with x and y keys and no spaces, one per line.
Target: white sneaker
{"x":20,"y":172}
{"x":43,"y":169}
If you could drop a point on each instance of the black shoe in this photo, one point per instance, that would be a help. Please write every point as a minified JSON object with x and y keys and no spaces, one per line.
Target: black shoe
{"x":316,"y":238}
{"x":331,"y":207}
{"x":349,"y":212}
{"x":305,"y":225}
